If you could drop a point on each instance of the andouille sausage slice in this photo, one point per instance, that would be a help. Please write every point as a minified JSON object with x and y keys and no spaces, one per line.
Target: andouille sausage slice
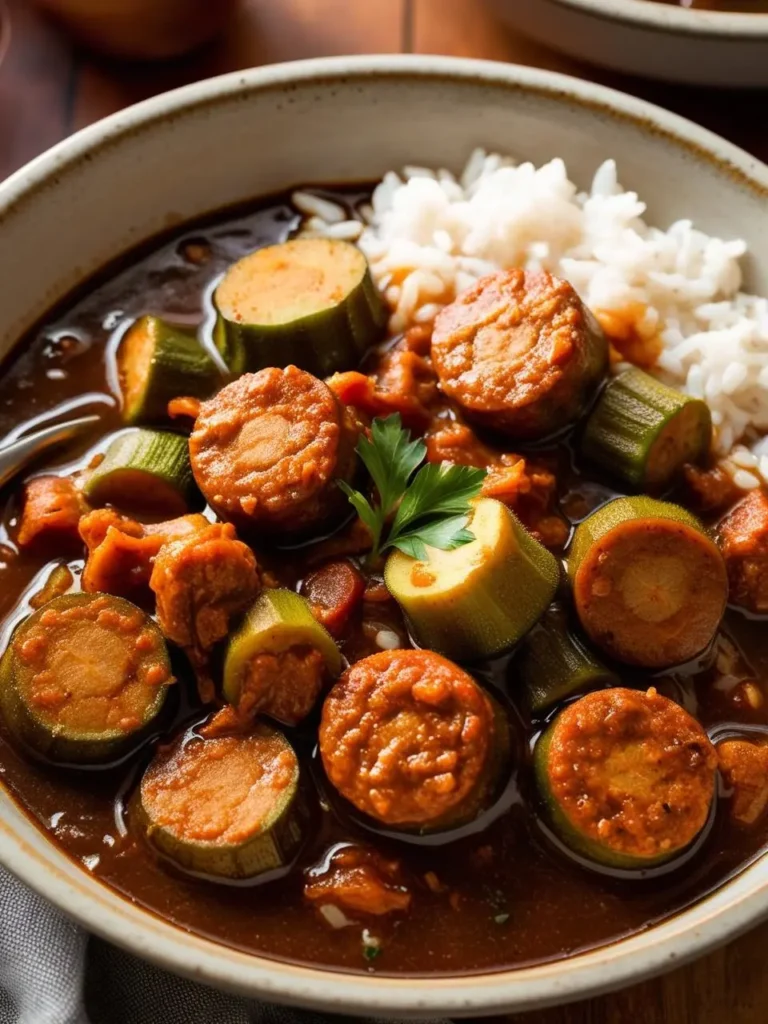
{"x":84,"y":678}
{"x":627,"y":778}
{"x":649,"y":583}
{"x":267,"y":450}
{"x":519,"y":352}
{"x":409,"y":738}
{"x":743,"y":539}
{"x":229,"y":808}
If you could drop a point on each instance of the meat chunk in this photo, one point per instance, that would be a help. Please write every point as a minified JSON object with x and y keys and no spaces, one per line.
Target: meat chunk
{"x":519,"y":352}
{"x":201,"y":582}
{"x":743,"y":539}
{"x":267,"y":450}
{"x":409,"y":739}
{"x":526,"y":486}
{"x":744,"y":766}
{"x":359,"y":880}
{"x":51,"y":513}
{"x":121,"y":551}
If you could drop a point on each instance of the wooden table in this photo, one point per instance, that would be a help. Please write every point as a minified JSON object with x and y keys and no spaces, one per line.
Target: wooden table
{"x":49,"y":89}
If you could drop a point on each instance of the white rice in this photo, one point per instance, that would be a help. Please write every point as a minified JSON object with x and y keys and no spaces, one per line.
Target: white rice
{"x":429,"y":235}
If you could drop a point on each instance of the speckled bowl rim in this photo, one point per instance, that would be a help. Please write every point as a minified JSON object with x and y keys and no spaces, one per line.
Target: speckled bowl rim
{"x":648,"y":14}
{"x":100,"y":910}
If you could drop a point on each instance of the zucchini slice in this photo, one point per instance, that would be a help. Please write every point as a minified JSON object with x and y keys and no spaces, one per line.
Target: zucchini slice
{"x":626,"y":778}
{"x":145,"y":471}
{"x":84,"y":678}
{"x":310,"y":302}
{"x":480,"y":599}
{"x":649,"y":583}
{"x":554,"y":664}
{"x":277,"y":661}
{"x":157,"y":362}
{"x":643,"y":432}
{"x":227,"y":808}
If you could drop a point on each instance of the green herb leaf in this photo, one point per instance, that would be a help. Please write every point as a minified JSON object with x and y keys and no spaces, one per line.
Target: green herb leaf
{"x":432,"y":507}
{"x":371,"y":952}
{"x":390,"y":456}
{"x":445,"y":534}
{"x":369,"y":515}
{"x":501,"y":918}
{"x":440,"y":489}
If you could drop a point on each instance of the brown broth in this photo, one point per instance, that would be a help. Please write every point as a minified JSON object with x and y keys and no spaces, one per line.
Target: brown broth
{"x":521,"y":899}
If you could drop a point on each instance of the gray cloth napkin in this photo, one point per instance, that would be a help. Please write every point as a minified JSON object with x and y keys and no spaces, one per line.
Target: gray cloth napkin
{"x":53,"y":972}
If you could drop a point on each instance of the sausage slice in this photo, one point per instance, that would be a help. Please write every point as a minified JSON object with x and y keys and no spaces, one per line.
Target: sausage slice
{"x":519,"y":352}
{"x":267,"y":450}
{"x":408,"y":738}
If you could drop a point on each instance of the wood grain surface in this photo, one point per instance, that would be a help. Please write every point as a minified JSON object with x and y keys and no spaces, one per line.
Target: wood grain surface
{"x":49,"y":88}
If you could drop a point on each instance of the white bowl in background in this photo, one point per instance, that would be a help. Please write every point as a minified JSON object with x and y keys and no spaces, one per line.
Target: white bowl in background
{"x":118,"y":183}
{"x":643,"y":37}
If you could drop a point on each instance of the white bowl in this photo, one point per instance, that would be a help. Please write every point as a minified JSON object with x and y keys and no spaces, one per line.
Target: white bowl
{"x":646,"y":38}
{"x":127,"y":178}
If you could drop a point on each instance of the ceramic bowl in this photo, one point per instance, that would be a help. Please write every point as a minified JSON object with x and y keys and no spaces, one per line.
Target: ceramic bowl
{"x":117,"y":184}
{"x":643,"y":37}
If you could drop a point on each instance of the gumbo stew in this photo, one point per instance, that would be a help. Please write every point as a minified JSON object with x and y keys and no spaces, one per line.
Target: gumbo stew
{"x":431,"y":653}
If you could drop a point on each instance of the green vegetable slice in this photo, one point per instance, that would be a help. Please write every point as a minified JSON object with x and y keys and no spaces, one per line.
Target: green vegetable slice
{"x":84,"y":678}
{"x":228,"y":808}
{"x":630,"y":794}
{"x":310,"y":302}
{"x":158,"y":362}
{"x":480,"y":599}
{"x":643,"y":432}
{"x":145,"y":471}
{"x":278,"y":660}
{"x":554,"y":664}
{"x":649,"y":583}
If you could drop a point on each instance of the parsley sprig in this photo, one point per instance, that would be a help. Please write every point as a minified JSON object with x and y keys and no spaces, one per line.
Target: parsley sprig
{"x":412,"y":511}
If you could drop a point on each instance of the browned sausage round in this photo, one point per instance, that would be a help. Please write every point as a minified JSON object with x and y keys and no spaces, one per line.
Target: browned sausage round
{"x":408,"y":737}
{"x":519,"y":352}
{"x":267,"y":449}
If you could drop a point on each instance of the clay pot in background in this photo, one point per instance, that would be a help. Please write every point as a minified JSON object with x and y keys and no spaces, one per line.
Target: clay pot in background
{"x":142,"y":29}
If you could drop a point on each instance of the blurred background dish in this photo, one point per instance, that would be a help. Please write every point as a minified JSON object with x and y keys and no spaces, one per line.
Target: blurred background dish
{"x":647,"y":37}
{"x":142,"y":29}
{"x":5,"y":30}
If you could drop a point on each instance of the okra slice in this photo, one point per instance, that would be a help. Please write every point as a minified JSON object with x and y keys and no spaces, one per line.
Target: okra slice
{"x":626,"y":778}
{"x":158,"y":362}
{"x":479,"y":599}
{"x":554,"y":664}
{"x":145,"y":471}
{"x":649,"y":583}
{"x":277,"y":661}
{"x":311,"y":302}
{"x":84,"y":678}
{"x":643,"y":432}
{"x":228,"y":808}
